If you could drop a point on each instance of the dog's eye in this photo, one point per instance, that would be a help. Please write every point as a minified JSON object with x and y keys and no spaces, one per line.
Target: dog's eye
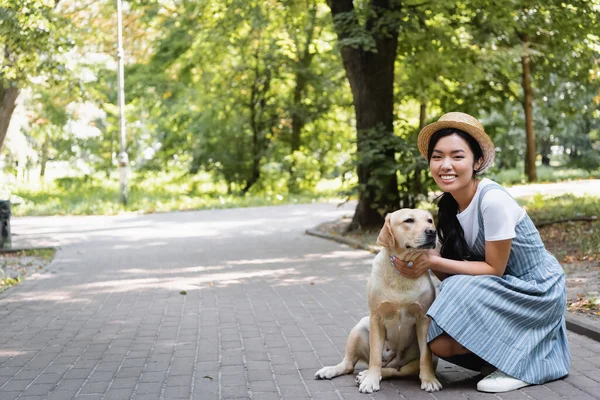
{"x":430,"y":221}
{"x":409,"y":221}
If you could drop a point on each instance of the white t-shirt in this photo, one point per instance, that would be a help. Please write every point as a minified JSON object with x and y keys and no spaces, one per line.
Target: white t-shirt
{"x":501,"y":214}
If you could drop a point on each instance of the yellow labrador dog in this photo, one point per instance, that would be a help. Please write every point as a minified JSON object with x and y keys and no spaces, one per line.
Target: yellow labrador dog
{"x":393,"y":339}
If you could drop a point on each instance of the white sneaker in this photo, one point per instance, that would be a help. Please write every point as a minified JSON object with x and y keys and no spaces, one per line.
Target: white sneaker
{"x":498,"y":382}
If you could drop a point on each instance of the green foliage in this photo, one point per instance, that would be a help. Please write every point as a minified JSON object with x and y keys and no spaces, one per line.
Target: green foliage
{"x":563,"y":77}
{"x":153,"y":192}
{"x":373,"y":161}
{"x":47,"y":254}
{"x":253,"y":94}
{"x":34,"y":41}
{"x":7,"y":281}
{"x":264,"y":68}
{"x":352,"y":34}
{"x":32,"y":35}
{"x":305,"y":169}
{"x":554,"y":208}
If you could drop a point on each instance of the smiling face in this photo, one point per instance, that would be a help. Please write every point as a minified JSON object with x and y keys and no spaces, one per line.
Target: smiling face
{"x":452,"y":163}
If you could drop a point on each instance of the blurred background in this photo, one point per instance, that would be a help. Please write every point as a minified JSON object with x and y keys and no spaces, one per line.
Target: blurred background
{"x":243,"y":102}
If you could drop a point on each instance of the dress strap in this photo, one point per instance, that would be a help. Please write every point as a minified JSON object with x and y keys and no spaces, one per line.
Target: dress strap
{"x":486,"y":189}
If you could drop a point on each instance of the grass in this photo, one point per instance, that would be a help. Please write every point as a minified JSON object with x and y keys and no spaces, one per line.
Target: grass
{"x":545,"y":174}
{"x":46,"y":254}
{"x":15,"y":266}
{"x":543,"y":209}
{"x":160,"y":192}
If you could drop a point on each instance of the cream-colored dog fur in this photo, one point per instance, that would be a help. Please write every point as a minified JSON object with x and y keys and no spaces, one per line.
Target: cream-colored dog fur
{"x":393,"y":339}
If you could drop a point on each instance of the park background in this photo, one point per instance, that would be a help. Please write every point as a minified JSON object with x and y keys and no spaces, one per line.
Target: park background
{"x":243,"y":103}
{"x":263,"y":105}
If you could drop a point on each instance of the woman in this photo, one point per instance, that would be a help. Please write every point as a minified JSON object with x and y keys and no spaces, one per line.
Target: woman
{"x":503,"y":296}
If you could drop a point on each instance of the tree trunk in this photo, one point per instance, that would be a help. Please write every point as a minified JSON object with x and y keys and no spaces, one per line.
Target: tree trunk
{"x":530,"y":169}
{"x":301,"y":74}
{"x":422,"y":115}
{"x":417,"y":186}
{"x":371,"y":77}
{"x":8,"y":100}
{"x":546,"y":143}
{"x":44,"y":157}
{"x":256,"y":154}
{"x":258,"y":103}
{"x":546,"y":151}
{"x":545,"y":160}
{"x":255,"y":171}
{"x":298,"y":122}
{"x":299,"y":111}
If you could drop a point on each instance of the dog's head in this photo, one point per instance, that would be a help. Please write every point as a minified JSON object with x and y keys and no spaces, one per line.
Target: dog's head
{"x":408,"y":229}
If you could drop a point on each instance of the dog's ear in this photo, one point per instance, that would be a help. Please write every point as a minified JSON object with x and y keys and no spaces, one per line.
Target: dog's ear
{"x":386,"y":237}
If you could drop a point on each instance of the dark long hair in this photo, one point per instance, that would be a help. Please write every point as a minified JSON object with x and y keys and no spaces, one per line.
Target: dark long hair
{"x":451,"y":234}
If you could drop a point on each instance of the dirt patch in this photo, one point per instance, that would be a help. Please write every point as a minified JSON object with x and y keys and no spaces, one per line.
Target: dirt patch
{"x":14,"y":267}
{"x":575,"y":245}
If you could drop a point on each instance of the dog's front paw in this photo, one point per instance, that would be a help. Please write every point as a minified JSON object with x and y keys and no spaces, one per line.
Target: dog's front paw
{"x":360,"y":376}
{"x":326,"y":373}
{"x":368,"y":381}
{"x":430,"y":384}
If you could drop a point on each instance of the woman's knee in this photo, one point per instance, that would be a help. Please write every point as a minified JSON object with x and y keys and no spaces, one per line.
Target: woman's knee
{"x":442,"y":346}
{"x":445,"y":346}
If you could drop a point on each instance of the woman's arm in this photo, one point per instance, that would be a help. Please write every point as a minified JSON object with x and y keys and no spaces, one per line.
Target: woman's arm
{"x":497,"y":253}
{"x":496,"y":257}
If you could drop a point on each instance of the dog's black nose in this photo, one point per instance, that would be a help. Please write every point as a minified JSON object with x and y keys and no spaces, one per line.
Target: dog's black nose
{"x":430,"y":232}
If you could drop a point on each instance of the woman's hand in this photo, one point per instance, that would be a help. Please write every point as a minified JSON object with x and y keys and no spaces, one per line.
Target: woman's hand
{"x":417,"y":265}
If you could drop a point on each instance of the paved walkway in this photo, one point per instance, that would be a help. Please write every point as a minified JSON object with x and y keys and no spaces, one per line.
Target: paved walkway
{"x":590,"y":187}
{"x":229,"y":304}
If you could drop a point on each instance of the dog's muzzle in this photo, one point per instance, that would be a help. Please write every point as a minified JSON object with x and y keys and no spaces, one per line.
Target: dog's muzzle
{"x":430,"y":241}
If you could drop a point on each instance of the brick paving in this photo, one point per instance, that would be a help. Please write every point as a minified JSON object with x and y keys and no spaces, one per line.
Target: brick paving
{"x":229,"y":304}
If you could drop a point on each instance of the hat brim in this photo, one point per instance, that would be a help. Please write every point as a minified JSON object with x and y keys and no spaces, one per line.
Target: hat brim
{"x":487,"y":146}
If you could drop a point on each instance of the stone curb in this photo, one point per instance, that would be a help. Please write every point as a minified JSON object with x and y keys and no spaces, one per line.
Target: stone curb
{"x":19,"y":249}
{"x":582,"y":325}
{"x":575,"y":323}
{"x":340,"y":239}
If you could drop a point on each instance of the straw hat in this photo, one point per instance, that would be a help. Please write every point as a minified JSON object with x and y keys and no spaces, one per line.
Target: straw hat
{"x":465,"y":123}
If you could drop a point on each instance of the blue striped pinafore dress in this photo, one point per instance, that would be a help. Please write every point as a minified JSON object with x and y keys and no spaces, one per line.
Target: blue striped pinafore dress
{"x":514,"y":322}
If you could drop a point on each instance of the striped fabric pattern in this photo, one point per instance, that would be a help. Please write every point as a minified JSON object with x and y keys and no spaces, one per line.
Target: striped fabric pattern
{"x":515,"y":322}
